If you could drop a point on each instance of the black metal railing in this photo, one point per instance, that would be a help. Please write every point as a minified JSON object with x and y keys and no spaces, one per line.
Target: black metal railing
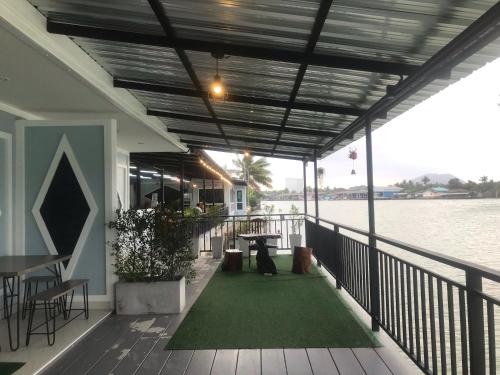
{"x":230,"y":226}
{"x":443,"y":325}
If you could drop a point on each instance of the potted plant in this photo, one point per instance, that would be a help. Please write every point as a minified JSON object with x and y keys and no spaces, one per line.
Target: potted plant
{"x":268,"y":212}
{"x":196,"y":222}
{"x":297,"y":221}
{"x":216,"y":239}
{"x":153,"y":261}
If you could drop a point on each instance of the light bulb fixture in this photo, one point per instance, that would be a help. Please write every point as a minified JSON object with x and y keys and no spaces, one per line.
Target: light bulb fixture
{"x":247,"y":154}
{"x":217,"y":91}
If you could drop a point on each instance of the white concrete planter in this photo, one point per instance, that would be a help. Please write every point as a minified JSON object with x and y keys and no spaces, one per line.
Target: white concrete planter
{"x":195,"y":250}
{"x":243,"y":247}
{"x":273,"y":251}
{"x":217,"y":247}
{"x":295,"y":240}
{"x":157,"y":297}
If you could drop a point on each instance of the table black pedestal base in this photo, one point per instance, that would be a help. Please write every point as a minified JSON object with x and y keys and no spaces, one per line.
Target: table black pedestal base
{"x":264,"y":262}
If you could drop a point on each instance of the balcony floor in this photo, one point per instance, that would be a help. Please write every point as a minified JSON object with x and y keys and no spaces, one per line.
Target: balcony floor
{"x":136,"y":345}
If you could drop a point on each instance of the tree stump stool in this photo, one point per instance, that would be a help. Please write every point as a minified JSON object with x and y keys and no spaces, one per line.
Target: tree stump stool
{"x":302,"y":259}
{"x":233,"y":261}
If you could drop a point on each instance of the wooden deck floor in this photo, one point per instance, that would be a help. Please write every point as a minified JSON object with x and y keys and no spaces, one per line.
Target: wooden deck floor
{"x":136,"y":345}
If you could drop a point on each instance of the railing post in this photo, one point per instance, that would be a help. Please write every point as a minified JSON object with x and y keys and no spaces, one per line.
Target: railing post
{"x":372,"y":242}
{"x":304,"y":166}
{"x":475,"y":316}
{"x":316,"y":198}
{"x":338,"y":258}
{"x":234,"y":232}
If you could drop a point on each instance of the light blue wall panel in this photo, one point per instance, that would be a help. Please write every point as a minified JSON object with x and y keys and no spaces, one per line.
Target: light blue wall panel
{"x":7,"y":122}
{"x":3,"y":199}
{"x":87,"y":142}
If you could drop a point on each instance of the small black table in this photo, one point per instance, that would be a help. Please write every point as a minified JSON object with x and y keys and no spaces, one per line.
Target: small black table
{"x":12,"y":268}
{"x":262,"y":248}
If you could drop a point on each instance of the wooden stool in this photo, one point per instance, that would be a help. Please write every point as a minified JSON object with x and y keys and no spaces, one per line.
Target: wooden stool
{"x":302,"y":259}
{"x":233,"y":260}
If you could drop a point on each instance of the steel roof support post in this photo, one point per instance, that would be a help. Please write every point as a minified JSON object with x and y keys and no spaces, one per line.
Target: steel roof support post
{"x":304,"y":166}
{"x":204,"y":192}
{"x":373,"y":259}
{"x":316,"y":205}
{"x":182,"y":187}
{"x":475,"y":317}
{"x":138,"y":188}
{"x":162,"y":190}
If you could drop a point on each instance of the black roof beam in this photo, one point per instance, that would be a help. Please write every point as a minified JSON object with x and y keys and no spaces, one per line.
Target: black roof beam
{"x":266,"y":153}
{"x":479,"y":34}
{"x":242,"y":148}
{"x":264,"y":141}
{"x":242,"y":124}
{"x":132,"y":84}
{"x":331,"y":61}
{"x":161,"y":15}
{"x":321,"y":16}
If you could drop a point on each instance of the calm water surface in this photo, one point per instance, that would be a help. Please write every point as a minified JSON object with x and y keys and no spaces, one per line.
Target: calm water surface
{"x":466,"y":229}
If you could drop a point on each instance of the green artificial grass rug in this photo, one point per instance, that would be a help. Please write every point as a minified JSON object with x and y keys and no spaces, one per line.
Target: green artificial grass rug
{"x":7,"y":368}
{"x":249,"y":310}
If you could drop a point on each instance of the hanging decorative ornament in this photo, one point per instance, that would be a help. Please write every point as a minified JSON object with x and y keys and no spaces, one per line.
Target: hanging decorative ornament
{"x":353,"y":155}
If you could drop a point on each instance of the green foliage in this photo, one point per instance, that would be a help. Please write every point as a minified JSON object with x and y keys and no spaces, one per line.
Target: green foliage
{"x":255,"y":171}
{"x":191,"y":212}
{"x":297,"y":219}
{"x":152,"y":246}
{"x":254,"y":197}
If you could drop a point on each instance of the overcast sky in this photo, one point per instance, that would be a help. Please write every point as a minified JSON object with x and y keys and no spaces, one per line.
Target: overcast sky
{"x":456,"y":131}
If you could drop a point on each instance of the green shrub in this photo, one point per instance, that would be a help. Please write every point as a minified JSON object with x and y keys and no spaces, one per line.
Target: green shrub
{"x":152,"y":246}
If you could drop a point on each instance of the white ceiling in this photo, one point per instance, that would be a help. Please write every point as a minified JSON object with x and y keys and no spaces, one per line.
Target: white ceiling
{"x":39,"y":84}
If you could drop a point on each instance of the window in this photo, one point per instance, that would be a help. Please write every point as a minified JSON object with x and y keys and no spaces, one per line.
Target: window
{"x":239,"y":199}
{"x":212,"y":196}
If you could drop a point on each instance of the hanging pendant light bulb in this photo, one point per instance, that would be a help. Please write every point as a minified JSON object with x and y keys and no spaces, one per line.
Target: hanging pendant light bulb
{"x":217,"y":91}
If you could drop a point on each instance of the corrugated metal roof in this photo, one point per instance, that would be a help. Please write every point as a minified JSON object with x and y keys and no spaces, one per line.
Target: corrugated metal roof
{"x":390,"y":31}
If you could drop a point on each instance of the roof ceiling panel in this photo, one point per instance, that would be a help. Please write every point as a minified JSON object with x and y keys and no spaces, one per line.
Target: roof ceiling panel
{"x":249,"y":112}
{"x":246,"y":76}
{"x":125,"y":15}
{"x":269,"y":23}
{"x":400,"y":30}
{"x":349,"y":88}
{"x":173,"y":103}
{"x":134,"y":61}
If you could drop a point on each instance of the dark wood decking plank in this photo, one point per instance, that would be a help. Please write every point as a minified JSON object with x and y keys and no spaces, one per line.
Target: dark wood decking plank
{"x":90,"y":350}
{"x":371,"y":362}
{"x":118,"y":350}
{"x":397,"y":361}
{"x":297,"y":362}
{"x":248,"y":362}
{"x":178,"y":362}
{"x":225,"y":362}
{"x":135,"y":357}
{"x":346,"y":362}
{"x":156,"y":359}
{"x":273,"y":362}
{"x":321,"y":362}
{"x":201,"y":363}
{"x":76,"y":352}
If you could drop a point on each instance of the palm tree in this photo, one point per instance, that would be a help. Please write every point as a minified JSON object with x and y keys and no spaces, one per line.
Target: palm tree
{"x":426,"y":180}
{"x":255,"y":171}
{"x":484,"y":180}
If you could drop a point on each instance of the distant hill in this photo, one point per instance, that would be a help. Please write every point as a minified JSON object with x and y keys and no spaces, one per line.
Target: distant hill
{"x":435,"y":178}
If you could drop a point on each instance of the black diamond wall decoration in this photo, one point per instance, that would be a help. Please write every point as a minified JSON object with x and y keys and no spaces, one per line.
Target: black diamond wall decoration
{"x":64,"y":209}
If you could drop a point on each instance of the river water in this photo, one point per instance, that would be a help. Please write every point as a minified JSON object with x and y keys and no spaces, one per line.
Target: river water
{"x":465,"y":229}
{"x":468,"y":229}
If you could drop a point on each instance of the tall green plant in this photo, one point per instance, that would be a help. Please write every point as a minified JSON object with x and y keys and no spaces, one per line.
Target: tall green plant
{"x":152,"y":246}
{"x":297,"y":219}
